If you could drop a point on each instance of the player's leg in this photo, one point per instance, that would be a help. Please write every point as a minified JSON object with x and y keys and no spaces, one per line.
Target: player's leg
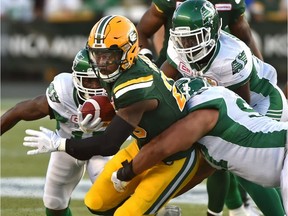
{"x":63,"y":174}
{"x":284,"y":183}
{"x":217,"y":189}
{"x":249,"y":205}
{"x":102,"y":196}
{"x":159,"y":185}
{"x":267,"y":199}
{"x":95,"y":166}
{"x":234,"y":200}
{"x":202,"y":173}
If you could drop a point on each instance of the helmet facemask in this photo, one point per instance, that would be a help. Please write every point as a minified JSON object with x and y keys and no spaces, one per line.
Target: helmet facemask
{"x":85,"y":79}
{"x":192,"y":45}
{"x":113,"y":46}
{"x":195,"y":30}
{"x":84,"y":82}
{"x":107,"y":62}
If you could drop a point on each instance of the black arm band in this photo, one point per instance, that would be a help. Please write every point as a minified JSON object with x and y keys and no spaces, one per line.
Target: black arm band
{"x":106,"y":144}
{"x":126,"y":173}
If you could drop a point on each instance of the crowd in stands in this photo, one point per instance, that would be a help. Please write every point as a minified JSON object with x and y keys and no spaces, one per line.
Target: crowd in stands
{"x":81,"y":10}
{"x":61,"y":10}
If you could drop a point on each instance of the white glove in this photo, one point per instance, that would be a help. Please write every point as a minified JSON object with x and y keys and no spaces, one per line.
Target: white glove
{"x":44,"y":141}
{"x":86,"y":125}
{"x":119,"y":185}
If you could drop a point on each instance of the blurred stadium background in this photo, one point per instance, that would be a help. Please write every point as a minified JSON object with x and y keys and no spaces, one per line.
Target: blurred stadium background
{"x":39,"y":38}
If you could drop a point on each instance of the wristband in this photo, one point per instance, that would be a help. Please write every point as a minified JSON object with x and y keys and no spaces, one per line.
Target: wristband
{"x":126,"y":173}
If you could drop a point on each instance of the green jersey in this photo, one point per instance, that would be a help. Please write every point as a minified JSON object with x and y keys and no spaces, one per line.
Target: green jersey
{"x":244,"y":142}
{"x":228,"y":10}
{"x":144,"y":81}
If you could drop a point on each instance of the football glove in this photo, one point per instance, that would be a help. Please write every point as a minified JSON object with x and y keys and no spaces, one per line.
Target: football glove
{"x":119,"y":185}
{"x":123,"y":176}
{"x":86,"y":125}
{"x":44,"y":141}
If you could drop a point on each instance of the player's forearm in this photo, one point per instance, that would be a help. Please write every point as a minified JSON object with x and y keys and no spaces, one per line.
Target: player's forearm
{"x":106,"y":144}
{"x":147,"y":157}
{"x":7,"y":123}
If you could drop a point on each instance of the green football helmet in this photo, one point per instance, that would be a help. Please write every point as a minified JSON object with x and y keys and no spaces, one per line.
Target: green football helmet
{"x":191,"y":86}
{"x":83,"y":72}
{"x":195,"y":29}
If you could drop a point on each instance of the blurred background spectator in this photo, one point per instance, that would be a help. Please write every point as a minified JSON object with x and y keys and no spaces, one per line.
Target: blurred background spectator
{"x":268,"y":10}
{"x":19,"y":10}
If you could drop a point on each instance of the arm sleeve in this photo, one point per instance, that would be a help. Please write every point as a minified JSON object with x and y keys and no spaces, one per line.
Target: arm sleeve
{"x":105,"y":144}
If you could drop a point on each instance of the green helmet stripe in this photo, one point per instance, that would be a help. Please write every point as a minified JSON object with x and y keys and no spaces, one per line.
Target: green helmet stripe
{"x":100,"y":31}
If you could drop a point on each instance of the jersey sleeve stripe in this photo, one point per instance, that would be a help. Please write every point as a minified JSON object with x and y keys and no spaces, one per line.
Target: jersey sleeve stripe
{"x":133,"y":81}
{"x":133,"y":87}
{"x":158,"y":9}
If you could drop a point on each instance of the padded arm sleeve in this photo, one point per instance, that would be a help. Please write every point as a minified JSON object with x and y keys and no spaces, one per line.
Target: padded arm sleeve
{"x":105,"y":144}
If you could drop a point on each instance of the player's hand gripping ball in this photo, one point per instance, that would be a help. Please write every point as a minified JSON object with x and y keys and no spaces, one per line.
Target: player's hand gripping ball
{"x":90,"y":108}
{"x":94,"y":112}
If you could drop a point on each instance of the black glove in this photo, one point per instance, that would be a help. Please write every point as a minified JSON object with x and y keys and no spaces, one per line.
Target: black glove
{"x":126,"y":173}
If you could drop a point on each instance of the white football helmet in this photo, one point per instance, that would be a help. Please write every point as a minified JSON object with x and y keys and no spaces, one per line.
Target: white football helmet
{"x":83,"y":74}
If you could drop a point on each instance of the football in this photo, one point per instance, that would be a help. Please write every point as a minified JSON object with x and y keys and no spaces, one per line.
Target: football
{"x":90,"y":106}
{"x":98,"y":105}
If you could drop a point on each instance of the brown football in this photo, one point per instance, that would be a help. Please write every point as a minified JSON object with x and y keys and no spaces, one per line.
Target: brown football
{"x":107,"y":111}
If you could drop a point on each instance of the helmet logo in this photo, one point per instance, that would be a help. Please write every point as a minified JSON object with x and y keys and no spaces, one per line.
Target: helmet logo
{"x":78,"y":58}
{"x":207,"y":13}
{"x":132,"y":37}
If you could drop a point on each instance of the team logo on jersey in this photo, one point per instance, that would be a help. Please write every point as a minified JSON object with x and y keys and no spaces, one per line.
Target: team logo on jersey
{"x":184,"y":69}
{"x":239,"y":63}
{"x":52,"y":94}
{"x":74,"y":119}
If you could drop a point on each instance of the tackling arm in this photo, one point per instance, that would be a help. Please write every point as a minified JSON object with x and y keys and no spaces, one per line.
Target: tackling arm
{"x":178,"y":137}
{"x":28,"y":110}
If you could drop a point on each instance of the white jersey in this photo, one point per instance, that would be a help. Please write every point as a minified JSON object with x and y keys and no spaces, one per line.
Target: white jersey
{"x":62,"y":98}
{"x":232,"y":65}
{"x":244,"y":142}
{"x":65,"y":172}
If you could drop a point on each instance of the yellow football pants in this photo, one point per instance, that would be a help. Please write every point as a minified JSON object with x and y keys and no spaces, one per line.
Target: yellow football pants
{"x":146,"y":193}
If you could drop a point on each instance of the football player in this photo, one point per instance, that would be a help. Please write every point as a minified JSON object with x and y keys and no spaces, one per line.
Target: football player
{"x":231,"y":135}
{"x":156,"y":23}
{"x":160,"y":13}
{"x":147,"y":103}
{"x":198,"y":46}
{"x":63,"y":96}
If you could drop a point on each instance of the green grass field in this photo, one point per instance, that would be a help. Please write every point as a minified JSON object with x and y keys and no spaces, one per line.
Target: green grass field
{"x":15,"y":163}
